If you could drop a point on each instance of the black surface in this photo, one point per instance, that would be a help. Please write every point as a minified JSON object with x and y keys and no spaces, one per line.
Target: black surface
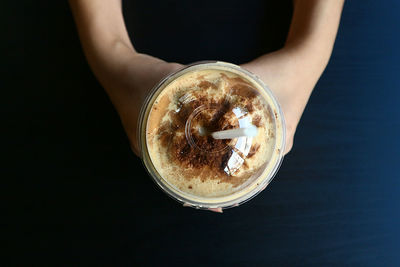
{"x":82,"y":197}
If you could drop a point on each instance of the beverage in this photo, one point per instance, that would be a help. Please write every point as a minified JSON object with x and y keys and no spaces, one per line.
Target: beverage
{"x":176,"y":142}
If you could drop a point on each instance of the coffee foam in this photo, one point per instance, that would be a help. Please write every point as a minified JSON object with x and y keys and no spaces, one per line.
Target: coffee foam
{"x":212,"y":85}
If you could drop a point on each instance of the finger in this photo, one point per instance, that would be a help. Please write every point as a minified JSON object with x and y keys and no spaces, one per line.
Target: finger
{"x":219,"y":210}
{"x":288,"y":145}
{"x":265,"y":186}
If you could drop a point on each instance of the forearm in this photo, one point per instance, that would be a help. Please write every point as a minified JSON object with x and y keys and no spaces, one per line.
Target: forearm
{"x":313,"y":31}
{"x":292,"y":72}
{"x":309,"y":45}
{"x":311,"y":37}
{"x":126,"y":75}
{"x":103,"y":36}
{"x":109,"y":52}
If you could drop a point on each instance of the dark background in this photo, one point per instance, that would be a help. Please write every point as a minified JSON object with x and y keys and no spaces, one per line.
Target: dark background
{"x":75,"y":193}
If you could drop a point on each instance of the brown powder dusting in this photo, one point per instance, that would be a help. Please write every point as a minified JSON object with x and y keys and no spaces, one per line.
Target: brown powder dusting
{"x":203,"y":156}
{"x":204,"y":150}
{"x":206,"y":84}
{"x":244,"y":90}
{"x":257,"y":121}
{"x":253,"y":150}
{"x":249,"y":107}
{"x":164,"y":136}
{"x":234,"y":80}
{"x":227,"y":121}
{"x":245,"y":165}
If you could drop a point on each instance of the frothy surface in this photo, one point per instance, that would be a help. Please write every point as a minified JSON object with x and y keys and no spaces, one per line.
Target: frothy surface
{"x":215,"y":100}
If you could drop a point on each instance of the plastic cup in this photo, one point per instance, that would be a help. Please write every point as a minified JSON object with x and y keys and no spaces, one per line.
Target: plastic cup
{"x":192,"y":167}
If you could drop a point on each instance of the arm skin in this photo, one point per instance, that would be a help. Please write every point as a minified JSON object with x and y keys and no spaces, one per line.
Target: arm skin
{"x":292,"y":72}
{"x":127,"y":75}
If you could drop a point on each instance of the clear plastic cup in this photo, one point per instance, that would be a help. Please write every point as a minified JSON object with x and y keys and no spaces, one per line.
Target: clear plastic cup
{"x":189,"y":165}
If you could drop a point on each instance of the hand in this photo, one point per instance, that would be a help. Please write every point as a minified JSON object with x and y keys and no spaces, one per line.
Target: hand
{"x":130,"y":86}
{"x":291,"y":77}
{"x":286,"y":72}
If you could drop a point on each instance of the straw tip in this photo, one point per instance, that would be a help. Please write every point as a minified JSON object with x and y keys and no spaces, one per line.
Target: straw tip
{"x":251,"y":131}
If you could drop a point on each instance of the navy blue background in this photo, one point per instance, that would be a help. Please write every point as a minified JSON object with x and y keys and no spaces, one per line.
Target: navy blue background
{"x":81,"y":196}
